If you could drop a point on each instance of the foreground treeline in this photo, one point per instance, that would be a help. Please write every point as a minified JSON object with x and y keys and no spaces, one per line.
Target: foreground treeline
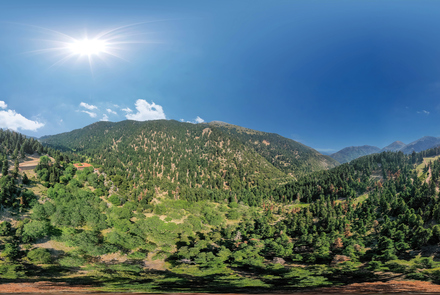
{"x":13,"y":149}
{"x":353,"y":222}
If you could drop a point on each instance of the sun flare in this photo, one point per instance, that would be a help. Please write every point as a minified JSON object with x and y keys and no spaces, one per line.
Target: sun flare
{"x":101,"y":47}
{"x":88,"y":47}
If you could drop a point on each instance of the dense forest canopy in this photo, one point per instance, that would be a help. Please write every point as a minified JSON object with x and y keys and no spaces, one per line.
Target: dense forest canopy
{"x":212,"y":209}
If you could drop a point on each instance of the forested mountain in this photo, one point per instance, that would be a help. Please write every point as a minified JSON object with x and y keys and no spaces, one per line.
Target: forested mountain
{"x":394,"y":147}
{"x":285,"y":154}
{"x":128,"y":142}
{"x":421,"y":144}
{"x":193,"y":160}
{"x":353,"y":152}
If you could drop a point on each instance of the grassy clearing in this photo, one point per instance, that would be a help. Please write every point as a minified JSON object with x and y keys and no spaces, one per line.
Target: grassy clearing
{"x":361,"y":198}
{"x":426,"y":161}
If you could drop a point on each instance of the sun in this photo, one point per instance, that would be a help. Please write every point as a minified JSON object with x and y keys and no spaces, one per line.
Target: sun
{"x":99,"y":48}
{"x":88,"y":47}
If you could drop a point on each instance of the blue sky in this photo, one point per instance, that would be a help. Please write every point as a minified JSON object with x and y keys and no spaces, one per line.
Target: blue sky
{"x":329,"y":74}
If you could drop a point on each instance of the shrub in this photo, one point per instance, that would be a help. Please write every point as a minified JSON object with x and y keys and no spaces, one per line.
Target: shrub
{"x":137,"y":255}
{"x":234,"y":214}
{"x":114,"y":199}
{"x":39,"y":256}
{"x":72,"y":261}
{"x":36,"y":229}
{"x":5,"y":228}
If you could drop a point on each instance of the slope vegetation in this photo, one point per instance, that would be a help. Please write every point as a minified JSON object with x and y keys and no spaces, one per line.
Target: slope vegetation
{"x":285,"y":154}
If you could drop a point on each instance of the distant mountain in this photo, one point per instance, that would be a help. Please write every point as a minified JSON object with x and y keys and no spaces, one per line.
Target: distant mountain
{"x":421,"y":144}
{"x":394,"y":147}
{"x":350,"y":153}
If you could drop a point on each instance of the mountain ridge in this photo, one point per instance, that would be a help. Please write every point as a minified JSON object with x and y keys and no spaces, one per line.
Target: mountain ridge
{"x":353,"y":152}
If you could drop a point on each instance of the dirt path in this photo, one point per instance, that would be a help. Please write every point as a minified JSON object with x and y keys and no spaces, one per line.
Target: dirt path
{"x":411,"y":287}
{"x":428,"y":179}
{"x":42,"y":287}
{"x":385,"y":287}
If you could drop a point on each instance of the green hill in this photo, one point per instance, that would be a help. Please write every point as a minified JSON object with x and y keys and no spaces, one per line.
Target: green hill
{"x":181,"y":158}
{"x":289,"y":156}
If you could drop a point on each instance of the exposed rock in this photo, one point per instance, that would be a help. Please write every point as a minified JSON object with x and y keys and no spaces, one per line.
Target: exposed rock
{"x":340,"y":258}
{"x":278,"y":260}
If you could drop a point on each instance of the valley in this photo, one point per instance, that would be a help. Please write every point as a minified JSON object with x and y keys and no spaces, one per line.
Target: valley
{"x":164,"y":206}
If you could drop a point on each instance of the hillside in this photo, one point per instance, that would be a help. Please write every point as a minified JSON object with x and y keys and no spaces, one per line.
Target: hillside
{"x":133,"y":141}
{"x":353,"y":152}
{"x":285,"y":154}
{"x":193,"y":160}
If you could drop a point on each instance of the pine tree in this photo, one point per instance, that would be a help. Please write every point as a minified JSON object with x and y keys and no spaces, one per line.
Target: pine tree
{"x":5,"y":167}
{"x":25,"y":179}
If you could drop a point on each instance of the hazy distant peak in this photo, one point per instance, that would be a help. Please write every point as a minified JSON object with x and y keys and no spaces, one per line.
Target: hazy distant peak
{"x":350,"y":153}
{"x":394,"y":147}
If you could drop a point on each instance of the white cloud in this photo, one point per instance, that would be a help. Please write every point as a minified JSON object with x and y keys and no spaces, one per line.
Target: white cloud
{"x":426,"y":112}
{"x":91,"y":114}
{"x":111,"y":112}
{"x":128,"y":110}
{"x":87,"y":106}
{"x":3,"y":104}
{"x":11,"y":120}
{"x":116,"y":106}
{"x":146,"y":111}
{"x":104,"y":118}
{"x":196,"y":120}
{"x":199,"y":120}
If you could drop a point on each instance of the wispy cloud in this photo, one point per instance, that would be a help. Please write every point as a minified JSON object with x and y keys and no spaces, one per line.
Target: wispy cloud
{"x":104,"y":118}
{"x":110,"y":111}
{"x":91,"y":114}
{"x":128,"y":110}
{"x":145,"y":111}
{"x":88,"y":106}
{"x":423,"y":112}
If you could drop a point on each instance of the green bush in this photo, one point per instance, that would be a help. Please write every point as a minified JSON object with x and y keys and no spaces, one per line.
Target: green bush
{"x":39,"y":256}
{"x":72,"y":261}
{"x":137,"y":255}
{"x":160,"y":209}
{"x":36,"y":229}
{"x":5,"y":228}
{"x":417,"y":276}
{"x":234,"y":214}
{"x":11,"y":271}
{"x":399,"y":266}
{"x":114,"y":199}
